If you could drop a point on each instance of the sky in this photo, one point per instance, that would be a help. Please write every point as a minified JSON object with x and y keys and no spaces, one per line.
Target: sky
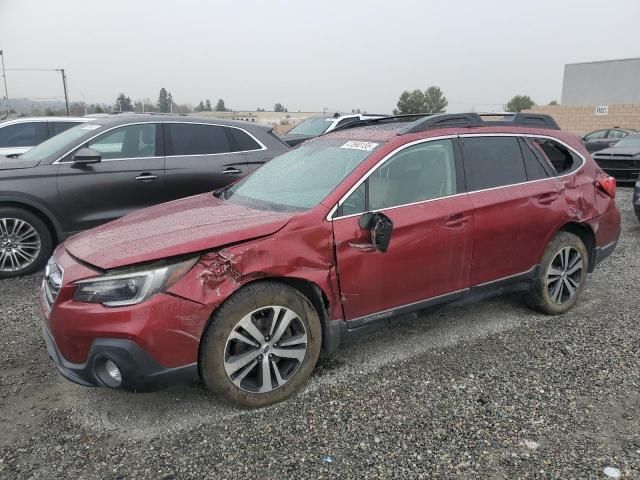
{"x":333,"y":54}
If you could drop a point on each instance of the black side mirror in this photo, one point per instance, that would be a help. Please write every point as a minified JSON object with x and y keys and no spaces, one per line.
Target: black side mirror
{"x":381,"y":228}
{"x":86,"y":156}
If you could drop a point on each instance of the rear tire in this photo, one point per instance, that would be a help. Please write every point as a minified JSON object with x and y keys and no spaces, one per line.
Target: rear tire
{"x":261,"y":345}
{"x":25,"y":242}
{"x":562,"y":277}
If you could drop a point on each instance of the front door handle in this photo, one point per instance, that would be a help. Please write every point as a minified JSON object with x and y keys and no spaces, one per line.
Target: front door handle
{"x":146,"y":177}
{"x":232,"y":171}
{"x":456,"y":220}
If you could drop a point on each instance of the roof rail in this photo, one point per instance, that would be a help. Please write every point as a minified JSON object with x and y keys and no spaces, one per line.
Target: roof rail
{"x":473,"y":119}
{"x":411,"y":117}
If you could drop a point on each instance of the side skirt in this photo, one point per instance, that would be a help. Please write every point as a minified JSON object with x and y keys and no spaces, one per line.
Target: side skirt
{"x":338,"y":330}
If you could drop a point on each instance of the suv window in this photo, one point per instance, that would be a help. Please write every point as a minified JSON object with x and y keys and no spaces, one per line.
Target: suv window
{"x":59,"y":127}
{"x":27,"y":134}
{"x":617,"y":134}
{"x":132,"y":141}
{"x":421,"y":172}
{"x":196,"y":139}
{"x":492,"y":162}
{"x":243,"y":141}
{"x":600,"y":134}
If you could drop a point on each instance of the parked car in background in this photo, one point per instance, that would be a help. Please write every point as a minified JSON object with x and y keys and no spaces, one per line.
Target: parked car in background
{"x":19,"y":135}
{"x":247,"y":286}
{"x":621,"y":161}
{"x":103,"y":169}
{"x":608,"y":137}
{"x":314,"y":126}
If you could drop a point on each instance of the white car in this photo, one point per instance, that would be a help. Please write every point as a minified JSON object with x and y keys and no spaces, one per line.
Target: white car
{"x":17,"y":135}
{"x":314,"y":126}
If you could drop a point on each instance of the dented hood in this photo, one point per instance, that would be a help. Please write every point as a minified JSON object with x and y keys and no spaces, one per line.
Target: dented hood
{"x":189,"y":225}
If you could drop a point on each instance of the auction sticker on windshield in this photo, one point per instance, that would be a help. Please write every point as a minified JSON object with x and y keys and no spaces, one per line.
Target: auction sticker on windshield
{"x":355,"y":145}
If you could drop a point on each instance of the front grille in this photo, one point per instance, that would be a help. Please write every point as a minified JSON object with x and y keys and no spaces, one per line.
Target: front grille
{"x":52,"y":282}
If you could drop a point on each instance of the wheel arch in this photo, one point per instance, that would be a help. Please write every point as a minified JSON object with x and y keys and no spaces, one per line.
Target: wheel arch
{"x":310,"y":290}
{"x":43,"y":213}
{"x":588,"y":237}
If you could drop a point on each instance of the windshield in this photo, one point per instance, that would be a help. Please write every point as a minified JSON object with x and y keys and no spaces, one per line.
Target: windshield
{"x":312,"y":126}
{"x":302,"y":178}
{"x":59,"y":142}
{"x":630,"y":141}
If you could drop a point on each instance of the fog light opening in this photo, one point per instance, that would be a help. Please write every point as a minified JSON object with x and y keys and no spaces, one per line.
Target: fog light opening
{"x":109,"y":373}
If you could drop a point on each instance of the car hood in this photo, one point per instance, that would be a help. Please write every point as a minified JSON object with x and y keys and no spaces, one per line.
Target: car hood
{"x":184,"y":226}
{"x":619,"y":151}
{"x":14,"y":163}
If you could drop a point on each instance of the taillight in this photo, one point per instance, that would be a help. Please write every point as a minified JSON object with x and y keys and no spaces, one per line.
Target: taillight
{"x":607,"y":184}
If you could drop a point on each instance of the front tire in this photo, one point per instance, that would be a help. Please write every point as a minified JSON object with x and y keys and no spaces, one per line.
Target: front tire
{"x":25,"y":242}
{"x":261,"y":345}
{"x":562,"y":277}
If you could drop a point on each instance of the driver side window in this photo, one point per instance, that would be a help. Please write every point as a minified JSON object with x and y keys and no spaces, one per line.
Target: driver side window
{"x":421,"y":172}
{"x":132,"y":141}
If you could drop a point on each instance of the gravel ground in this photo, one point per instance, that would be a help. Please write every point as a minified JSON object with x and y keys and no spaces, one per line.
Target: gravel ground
{"x":490,"y":390}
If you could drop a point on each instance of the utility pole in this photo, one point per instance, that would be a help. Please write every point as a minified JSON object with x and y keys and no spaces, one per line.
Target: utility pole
{"x":4,"y":76}
{"x":66,"y":96}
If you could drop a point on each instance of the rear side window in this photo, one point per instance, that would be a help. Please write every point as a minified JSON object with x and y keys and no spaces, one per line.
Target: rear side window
{"x":617,"y":134}
{"x":533,"y":163}
{"x":59,"y":127}
{"x":26,"y":134}
{"x":492,"y":162}
{"x":194,"y":139}
{"x":560,"y":157}
{"x":243,"y":141}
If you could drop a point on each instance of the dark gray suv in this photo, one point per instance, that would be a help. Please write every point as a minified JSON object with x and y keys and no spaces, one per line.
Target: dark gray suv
{"x":106,"y":168}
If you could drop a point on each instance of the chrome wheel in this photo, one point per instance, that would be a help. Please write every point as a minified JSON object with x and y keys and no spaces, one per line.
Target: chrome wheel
{"x":19,"y":244}
{"x":564,"y":274}
{"x":265,"y":349}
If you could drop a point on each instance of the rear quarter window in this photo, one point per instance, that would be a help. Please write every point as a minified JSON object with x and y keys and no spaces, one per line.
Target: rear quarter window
{"x":243,"y":141}
{"x":562,"y":159}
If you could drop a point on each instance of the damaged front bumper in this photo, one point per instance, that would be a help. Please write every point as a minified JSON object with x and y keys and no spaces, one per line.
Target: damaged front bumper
{"x":137,"y":370}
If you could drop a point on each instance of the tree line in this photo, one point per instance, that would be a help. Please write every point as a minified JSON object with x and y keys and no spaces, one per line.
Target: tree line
{"x":433,"y":100}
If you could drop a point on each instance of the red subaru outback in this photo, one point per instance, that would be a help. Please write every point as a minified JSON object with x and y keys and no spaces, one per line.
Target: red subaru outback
{"x":245,"y":286}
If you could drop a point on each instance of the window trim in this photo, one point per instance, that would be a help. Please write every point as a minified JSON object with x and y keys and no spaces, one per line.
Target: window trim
{"x":59,"y":161}
{"x":329,"y":217}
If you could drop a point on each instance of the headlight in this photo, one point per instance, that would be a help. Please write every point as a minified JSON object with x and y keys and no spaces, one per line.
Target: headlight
{"x":131,"y":287}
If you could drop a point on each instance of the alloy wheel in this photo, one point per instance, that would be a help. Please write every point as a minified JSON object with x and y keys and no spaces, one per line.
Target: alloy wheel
{"x":19,"y":244}
{"x":265,"y":349}
{"x":564,"y":274}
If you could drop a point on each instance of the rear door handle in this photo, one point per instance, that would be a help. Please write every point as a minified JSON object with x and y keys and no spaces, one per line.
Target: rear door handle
{"x":456,"y":220}
{"x":547,"y":198}
{"x":146,"y":177}
{"x":232,"y":171}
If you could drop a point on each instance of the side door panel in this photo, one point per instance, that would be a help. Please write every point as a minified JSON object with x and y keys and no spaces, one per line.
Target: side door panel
{"x":198,"y":159}
{"x":429,"y":255}
{"x":421,"y":190}
{"x":97,"y":193}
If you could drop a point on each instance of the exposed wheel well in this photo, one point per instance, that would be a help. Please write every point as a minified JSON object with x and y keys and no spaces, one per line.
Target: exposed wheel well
{"x":47,"y":221}
{"x":588,"y":238}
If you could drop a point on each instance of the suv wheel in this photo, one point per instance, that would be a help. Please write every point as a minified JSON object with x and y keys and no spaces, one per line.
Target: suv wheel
{"x":563,"y":275}
{"x":261,"y":345}
{"x":25,"y":242}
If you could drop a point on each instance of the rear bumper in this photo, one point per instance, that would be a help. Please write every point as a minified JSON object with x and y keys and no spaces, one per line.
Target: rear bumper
{"x":138,"y":369}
